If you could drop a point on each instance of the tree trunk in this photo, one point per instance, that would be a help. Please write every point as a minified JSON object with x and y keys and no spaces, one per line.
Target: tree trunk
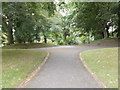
{"x":118,"y":21}
{"x":10,"y":34}
{"x":88,"y":37}
{"x":102,"y":33}
{"x":65,"y":35}
{"x":45,"y":39}
{"x":106,"y":34}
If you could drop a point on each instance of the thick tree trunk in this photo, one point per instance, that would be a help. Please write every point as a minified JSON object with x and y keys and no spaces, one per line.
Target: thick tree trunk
{"x":10,"y":34}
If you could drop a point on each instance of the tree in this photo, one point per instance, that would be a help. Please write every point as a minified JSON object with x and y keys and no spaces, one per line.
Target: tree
{"x":8,"y":21}
{"x":95,"y":18}
{"x":20,"y":19}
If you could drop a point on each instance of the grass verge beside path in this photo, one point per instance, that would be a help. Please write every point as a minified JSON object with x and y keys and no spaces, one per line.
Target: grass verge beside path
{"x":17,"y":64}
{"x":27,"y":46}
{"x":104,"y":63}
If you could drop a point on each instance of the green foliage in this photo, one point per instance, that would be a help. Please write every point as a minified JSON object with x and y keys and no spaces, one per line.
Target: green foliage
{"x":83,"y":39}
{"x":29,"y":22}
{"x":25,"y":18}
{"x":93,"y":17}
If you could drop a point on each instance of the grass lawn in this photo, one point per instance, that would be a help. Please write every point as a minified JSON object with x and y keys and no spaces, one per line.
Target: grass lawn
{"x":104,"y":63}
{"x":27,"y":45}
{"x":107,"y":42}
{"x":17,"y":64}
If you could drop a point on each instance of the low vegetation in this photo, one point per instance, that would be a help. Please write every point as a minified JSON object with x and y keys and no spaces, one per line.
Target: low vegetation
{"x":17,"y":64}
{"x":27,"y":46}
{"x":104,"y":63}
{"x":106,"y":42}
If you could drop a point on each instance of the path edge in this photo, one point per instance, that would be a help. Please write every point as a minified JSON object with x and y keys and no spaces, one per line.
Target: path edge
{"x":99,"y":82}
{"x":32,"y":74}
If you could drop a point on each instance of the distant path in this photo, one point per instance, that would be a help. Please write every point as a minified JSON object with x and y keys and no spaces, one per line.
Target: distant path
{"x":64,"y":69}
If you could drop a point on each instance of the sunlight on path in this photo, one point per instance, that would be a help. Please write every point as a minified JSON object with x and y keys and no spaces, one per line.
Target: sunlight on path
{"x":57,"y":47}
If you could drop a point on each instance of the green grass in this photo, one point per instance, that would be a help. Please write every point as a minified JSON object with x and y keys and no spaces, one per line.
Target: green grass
{"x":104,"y":63}
{"x":27,"y":45}
{"x":113,"y":41}
{"x":17,"y":64}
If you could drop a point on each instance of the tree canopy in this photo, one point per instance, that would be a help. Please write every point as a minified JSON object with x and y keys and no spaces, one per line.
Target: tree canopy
{"x":59,"y":23}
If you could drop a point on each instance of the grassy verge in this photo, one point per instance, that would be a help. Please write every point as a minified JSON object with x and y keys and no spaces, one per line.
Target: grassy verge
{"x":104,"y":63}
{"x":108,"y":42}
{"x":17,"y":64}
{"x":104,"y":42}
{"x":27,"y":45}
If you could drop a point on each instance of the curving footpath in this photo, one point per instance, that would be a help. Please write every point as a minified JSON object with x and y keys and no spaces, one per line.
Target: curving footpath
{"x":64,"y":69}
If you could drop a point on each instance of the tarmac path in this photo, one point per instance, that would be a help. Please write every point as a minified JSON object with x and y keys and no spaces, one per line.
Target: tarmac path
{"x":64,"y":69}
